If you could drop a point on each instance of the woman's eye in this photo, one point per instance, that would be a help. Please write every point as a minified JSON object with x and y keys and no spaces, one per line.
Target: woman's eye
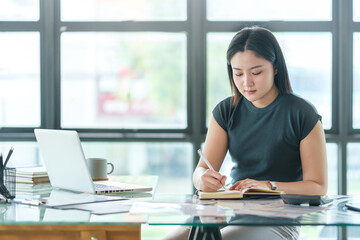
{"x":238,"y":74}
{"x":257,"y":73}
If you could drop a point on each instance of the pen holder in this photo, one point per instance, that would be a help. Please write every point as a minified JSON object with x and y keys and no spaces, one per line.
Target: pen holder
{"x":8,"y":183}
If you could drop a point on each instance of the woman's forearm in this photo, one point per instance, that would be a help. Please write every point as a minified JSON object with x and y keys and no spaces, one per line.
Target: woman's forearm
{"x":307,"y":187}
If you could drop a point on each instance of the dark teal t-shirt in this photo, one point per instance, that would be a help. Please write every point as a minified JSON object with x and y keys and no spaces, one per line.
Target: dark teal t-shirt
{"x":264,"y":143}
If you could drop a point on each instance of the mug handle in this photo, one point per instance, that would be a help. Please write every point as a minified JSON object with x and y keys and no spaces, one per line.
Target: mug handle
{"x":112,"y":168}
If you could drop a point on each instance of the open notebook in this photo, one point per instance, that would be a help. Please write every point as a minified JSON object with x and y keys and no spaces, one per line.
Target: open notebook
{"x":65,"y":162}
{"x":232,"y":194}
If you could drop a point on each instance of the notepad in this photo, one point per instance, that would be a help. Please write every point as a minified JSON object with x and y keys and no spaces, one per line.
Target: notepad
{"x":233,"y":194}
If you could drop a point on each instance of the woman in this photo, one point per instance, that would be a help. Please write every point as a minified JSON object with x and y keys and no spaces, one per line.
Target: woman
{"x":275,"y":138}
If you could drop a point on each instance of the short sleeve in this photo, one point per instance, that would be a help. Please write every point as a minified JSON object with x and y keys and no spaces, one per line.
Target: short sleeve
{"x":222,"y":112}
{"x":308,"y":118}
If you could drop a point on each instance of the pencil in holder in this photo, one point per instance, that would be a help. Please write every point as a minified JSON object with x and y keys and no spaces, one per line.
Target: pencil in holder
{"x":8,"y":183}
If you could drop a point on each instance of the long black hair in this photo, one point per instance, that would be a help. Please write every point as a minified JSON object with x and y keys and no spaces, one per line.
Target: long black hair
{"x":264,"y":44}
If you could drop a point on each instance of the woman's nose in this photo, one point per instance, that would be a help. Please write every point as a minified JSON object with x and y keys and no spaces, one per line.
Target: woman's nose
{"x":248,"y":80}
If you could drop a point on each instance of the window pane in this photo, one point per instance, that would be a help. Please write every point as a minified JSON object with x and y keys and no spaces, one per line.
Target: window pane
{"x":264,"y":10}
{"x":19,"y":80}
{"x":353,"y":168}
{"x":19,"y":10}
{"x":308,"y":57}
{"x":26,"y":154}
{"x":332,"y":160}
{"x":123,"y":80}
{"x":218,"y":86}
{"x":356,"y":10}
{"x":356,"y":84}
{"x":135,"y":10}
{"x":172,"y":162}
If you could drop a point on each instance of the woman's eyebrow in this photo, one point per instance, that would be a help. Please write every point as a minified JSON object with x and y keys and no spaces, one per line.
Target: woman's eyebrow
{"x":257,"y":66}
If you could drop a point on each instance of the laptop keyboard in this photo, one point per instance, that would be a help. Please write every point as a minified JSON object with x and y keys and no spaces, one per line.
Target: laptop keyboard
{"x":107,"y":188}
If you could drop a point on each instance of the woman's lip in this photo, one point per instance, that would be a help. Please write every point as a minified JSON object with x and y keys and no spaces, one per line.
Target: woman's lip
{"x":250,"y":91}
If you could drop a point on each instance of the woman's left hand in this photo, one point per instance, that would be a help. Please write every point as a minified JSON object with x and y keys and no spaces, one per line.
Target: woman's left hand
{"x":250,"y":183}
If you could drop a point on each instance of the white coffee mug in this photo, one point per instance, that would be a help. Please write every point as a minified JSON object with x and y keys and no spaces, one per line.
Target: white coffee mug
{"x":98,"y":168}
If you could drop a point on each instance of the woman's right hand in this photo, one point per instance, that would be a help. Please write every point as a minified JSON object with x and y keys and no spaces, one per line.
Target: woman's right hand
{"x":211,"y":181}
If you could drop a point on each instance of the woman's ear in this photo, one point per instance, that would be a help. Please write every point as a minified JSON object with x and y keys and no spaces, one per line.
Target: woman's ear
{"x":275,"y":71}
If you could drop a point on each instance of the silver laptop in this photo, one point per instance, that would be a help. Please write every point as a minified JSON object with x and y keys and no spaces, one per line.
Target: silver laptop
{"x":66,"y":165}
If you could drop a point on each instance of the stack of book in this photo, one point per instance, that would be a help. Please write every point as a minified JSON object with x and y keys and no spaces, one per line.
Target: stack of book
{"x":32,"y":180}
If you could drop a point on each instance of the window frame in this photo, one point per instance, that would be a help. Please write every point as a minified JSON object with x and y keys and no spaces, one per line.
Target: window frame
{"x":196,"y":27}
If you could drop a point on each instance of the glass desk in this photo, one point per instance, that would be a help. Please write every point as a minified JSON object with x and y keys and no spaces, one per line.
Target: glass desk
{"x":334,"y":214}
{"x":19,"y":221}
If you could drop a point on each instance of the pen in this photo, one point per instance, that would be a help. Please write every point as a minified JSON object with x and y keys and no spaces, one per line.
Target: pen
{"x":1,"y":162}
{"x":8,"y":157}
{"x":206,"y":161}
{"x":32,"y":202}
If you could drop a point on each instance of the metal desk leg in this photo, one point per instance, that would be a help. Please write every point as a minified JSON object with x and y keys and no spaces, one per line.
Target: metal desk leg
{"x":205,"y":233}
